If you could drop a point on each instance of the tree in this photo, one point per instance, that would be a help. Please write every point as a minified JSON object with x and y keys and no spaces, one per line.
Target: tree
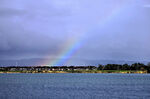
{"x":137,"y":66}
{"x":125,"y":67}
{"x":148,"y":67}
{"x":100,"y":67}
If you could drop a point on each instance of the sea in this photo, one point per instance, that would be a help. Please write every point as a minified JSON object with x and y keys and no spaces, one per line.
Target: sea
{"x":74,"y":86}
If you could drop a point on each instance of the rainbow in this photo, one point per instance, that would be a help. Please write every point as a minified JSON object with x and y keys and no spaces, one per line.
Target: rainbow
{"x":74,"y":44}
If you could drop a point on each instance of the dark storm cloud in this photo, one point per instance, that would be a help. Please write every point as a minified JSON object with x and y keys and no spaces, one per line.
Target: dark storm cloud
{"x":39,"y":29}
{"x":9,"y":12}
{"x":22,"y":31}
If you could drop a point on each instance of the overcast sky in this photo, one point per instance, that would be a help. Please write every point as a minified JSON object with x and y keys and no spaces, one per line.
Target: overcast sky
{"x":41,"y":29}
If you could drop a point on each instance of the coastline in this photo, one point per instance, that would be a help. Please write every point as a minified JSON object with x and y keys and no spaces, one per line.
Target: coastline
{"x":81,"y":71}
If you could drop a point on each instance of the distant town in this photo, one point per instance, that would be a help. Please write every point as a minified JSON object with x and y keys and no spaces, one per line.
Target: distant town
{"x":109,"y":68}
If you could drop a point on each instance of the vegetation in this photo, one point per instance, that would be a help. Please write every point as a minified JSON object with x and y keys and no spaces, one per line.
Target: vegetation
{"x":109,"y":68}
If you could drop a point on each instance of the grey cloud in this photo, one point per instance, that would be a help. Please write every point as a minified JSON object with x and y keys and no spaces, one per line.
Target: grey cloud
{"x":43,"y":29}
{"x":9,"y":12}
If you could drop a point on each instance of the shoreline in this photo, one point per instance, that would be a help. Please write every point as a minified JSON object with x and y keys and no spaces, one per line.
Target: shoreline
{"x":92,"y":71}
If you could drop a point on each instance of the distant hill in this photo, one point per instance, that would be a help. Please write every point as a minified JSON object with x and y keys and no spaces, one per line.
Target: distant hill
{"x":77,"y":62}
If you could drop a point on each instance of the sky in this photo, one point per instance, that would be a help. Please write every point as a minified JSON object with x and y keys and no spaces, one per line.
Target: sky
{"x":74,"y":32}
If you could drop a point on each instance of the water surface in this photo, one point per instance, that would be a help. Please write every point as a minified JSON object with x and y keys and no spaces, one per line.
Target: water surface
{"x":74,"y":86}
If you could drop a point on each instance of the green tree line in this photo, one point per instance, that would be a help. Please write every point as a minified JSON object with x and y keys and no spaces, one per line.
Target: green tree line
{"x":135,"y":66}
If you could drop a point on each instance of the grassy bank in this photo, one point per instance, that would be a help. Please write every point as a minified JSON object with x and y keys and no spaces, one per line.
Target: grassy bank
{"x":81,"y":71}
{"x":106,"y":71}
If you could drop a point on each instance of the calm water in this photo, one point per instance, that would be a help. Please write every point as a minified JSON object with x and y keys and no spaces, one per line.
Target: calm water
{"x":74,"y":86}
